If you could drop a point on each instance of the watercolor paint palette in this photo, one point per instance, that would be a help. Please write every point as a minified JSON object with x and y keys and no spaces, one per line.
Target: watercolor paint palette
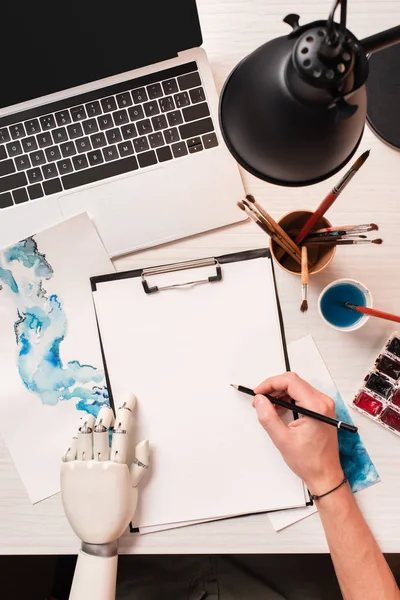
{"x":379,"y":394}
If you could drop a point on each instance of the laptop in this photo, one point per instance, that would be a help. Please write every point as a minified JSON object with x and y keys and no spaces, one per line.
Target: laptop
{"x":111,"y":109}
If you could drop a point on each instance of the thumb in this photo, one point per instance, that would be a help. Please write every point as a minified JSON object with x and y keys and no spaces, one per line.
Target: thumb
{"x":270,"y":420}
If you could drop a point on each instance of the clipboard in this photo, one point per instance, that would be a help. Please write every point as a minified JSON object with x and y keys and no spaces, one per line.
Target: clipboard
{"x":150,"y":284}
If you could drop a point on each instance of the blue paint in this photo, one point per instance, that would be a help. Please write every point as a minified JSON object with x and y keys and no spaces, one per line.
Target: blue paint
{"x":40,"y":329}
{"x":332,"y":304}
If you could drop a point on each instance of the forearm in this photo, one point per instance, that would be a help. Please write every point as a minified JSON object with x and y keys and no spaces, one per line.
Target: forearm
{"x":360,"y":566}
{"x":95,"y":575}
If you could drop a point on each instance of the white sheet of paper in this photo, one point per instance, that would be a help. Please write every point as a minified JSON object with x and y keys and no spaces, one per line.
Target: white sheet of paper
{"x":179,"y":350}
{"x":50,"y":355}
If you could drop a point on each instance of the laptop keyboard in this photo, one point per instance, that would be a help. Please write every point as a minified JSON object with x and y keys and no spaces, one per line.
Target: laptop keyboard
{"x":107,"y":132}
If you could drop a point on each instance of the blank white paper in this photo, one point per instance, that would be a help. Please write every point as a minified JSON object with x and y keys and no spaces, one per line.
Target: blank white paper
{"x":178,"y":350}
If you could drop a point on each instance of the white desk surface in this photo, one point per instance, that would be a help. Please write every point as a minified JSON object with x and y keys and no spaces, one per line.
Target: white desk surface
{"x":231,"y":29}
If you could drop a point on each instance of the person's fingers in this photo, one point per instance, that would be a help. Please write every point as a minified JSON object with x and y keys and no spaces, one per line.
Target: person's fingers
{"x":85,"y":438}
{"x":123,"y":422}
{"x":271,"y":421}
{"x":71,"y":451}
{"x":295,"y":387}
{"x":140,"y":463}
{"x":101,"y":447}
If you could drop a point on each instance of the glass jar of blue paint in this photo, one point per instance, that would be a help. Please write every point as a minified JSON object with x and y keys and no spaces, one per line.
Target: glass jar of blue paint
{"x":331,"y":304}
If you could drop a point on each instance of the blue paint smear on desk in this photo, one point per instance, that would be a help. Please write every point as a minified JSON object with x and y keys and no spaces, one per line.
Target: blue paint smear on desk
{"x":40,"y":329}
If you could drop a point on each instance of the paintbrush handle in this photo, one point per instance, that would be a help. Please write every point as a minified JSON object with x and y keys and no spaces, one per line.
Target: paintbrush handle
{"x":304,"y":265}
{"x":372,"y":312}
{"x":314,"y":218}
{"x":302,"y":411}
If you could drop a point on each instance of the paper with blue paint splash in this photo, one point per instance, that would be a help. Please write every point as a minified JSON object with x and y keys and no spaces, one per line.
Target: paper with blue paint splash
{"x":306,"y":360}
{"x":50,"y":358}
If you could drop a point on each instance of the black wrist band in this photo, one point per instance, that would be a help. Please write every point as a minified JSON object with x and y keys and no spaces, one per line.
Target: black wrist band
{"x":330,"y":491}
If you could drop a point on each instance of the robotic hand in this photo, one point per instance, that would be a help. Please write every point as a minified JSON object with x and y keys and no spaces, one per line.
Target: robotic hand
{"x":99,"y":494}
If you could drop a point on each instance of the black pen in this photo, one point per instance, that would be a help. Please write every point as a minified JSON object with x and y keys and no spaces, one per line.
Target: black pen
{"x":299,"y":409}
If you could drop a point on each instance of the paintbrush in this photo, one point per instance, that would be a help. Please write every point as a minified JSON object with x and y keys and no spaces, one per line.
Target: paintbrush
{"x":372,"y":312}
{"x":357,"y":228}
{"x":304,"y":279}
{"x":333,"y":238}
{"x":299,"y":409}
{"x":334,"y":235}
{"x":378,"y":241}
{"x":331,"y":197}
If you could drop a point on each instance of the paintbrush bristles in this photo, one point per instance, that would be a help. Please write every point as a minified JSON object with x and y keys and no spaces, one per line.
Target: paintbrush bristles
{"x":361,"y":160}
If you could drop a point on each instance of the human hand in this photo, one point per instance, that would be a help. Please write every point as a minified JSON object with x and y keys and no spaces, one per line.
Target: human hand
{"x":308,"y":446}
{"x":98,"y":489}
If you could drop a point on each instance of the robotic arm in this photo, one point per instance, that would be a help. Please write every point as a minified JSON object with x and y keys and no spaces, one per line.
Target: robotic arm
{"x":99,"y":494}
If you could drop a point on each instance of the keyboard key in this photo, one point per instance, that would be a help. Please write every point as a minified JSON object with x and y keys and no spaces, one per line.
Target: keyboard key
{"x":95,"y":158}
{"x":90,"y":126}
{"x":139,"y":95}
{"x":47,"y":122}
{"x":110,"y":153}
{"x":124,"y":100}
{"x":159,"y":122}
{"x":60,"y":135}
{"x":108,"y":104}
{"x":147,"y":159}
{"x":141,"y":144}
{"x":113,"y":136}
{"x":151,"y":108}
{"x":53,"y":153}
{"x":35,"y":191}
{"x":78,"y":113}
{"x":63,"y":118}
{"x":34,"y":175}
{"x":156,"y":140}
{"x":167,"y":104}
{"x":7,"y":167}
{"x":4,"y":135}
{"x":179,"y":149}
{"x":75,"y":131}
{"x":68,"y":149}
{"x":210,"y":140}
{"x":196,"y":111}
{"x":154,"y":91}
{"x":93,"y":108}
{"x":14,"y":148}
{"x":197,"y":95}
{"x":64,"y":166}
{"x":171,"y":135}
{"x":195,"y":148}
{"x":193,"y":142}
{"x":12,"y":181}
{"x":22,"y":162}
{"x":49,"y":171}
{"x":128,"y":131}
{"x":3,"y":153}
{"x":175,"y":118}
{"x":17,"y":131}
{"x":20,"y":196}
{"x":111,"y":169}
{"x":83,"y":145}
{"x":125,"y":149}
{"x":121,"y":117}
{"x":37,"y":158}
{"x":136,"y":113}
{"x":164,"y":154}
{"x":170,"y":86}
{"x":105,"y":122}
{"x":98,"y":140}
{"x":80,"y":162}
{"x":53,"y":186}
{"x":196,"y":128}
{"x":29,"y":144}
{"x":190,"y":80}
{"x":32,"y":127}
{"x":182,"y":99}
{"x":144,"y":127}
{"x":44,"y":139}
{"x":6,"y":200}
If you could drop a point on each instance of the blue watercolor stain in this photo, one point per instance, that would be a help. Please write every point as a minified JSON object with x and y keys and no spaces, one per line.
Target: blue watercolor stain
{"x":354,"y":458}
{"x":40,"y":329}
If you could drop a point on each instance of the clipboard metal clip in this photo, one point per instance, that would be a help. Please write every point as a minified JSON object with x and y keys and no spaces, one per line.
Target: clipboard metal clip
{"x":182,"y":266}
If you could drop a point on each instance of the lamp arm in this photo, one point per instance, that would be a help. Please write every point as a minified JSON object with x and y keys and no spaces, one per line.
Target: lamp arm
{"x":332,"y":33}
{"x":381,"y":40}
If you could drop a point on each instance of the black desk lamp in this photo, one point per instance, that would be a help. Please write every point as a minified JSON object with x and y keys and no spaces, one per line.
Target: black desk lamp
{"x":293,"y":112}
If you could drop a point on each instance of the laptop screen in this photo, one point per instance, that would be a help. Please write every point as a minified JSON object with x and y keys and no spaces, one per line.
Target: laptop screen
{"x":47,"y":46}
